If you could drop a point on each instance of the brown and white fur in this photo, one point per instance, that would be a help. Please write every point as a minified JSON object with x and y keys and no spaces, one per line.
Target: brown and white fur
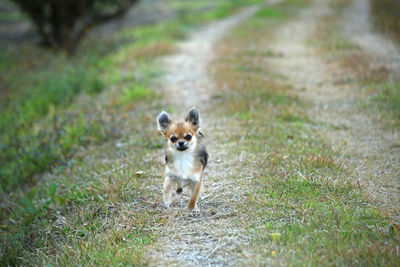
{"x":185,"y":156}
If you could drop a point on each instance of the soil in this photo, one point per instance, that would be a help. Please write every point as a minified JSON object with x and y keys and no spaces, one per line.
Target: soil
{"x":357,"y":27}
{"x":372,"y":151}
{"x":208,"y":237}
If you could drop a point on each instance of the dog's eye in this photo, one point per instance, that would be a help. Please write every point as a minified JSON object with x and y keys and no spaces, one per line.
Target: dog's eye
{"x":188,"y":137}
{"x":173,"y":139}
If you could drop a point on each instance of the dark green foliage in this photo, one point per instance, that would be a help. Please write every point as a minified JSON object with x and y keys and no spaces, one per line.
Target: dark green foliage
{"x":386,"y":14}
{"x":62,"y":24}
{"x":26,"y":148}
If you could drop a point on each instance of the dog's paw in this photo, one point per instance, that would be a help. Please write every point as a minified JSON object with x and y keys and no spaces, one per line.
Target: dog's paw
{"x":194,"y":210}
{"x":167,"y":205}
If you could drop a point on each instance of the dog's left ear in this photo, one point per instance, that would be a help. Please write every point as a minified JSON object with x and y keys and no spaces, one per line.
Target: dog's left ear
{"x":193,"y":118}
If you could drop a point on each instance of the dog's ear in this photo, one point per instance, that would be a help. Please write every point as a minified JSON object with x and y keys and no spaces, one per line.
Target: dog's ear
{"x":164,"y":122}
{"x":193,"y":118}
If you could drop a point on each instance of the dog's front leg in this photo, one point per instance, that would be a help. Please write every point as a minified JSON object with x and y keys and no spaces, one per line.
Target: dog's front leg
{"x":167,"y":192}
{"x":195,"y":193}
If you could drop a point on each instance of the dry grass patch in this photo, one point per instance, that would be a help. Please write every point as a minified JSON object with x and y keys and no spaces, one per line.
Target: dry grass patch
{"x":381,"y":87}
{"x":300,"y":207}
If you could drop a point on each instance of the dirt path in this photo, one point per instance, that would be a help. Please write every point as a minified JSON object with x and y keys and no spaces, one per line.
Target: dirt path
{"x":356,"y":25}
{"x":372,"y":151}
{"x":188,"y":81}
{"x":208,"y":236}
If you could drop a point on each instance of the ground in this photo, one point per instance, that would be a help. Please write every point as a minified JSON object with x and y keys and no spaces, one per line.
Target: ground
{"x":206,"y":238}
{"x":304,"y":162}
{"x":372,"y":150}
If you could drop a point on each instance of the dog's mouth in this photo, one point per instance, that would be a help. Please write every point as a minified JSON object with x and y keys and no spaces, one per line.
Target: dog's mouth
{"x":182,"y":148}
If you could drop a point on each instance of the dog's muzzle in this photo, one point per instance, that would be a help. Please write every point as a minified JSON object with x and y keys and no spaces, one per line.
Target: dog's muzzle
{"x":181,"y":146}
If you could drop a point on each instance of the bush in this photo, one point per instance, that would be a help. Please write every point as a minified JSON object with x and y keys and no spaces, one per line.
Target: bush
{"x":62,"y":24}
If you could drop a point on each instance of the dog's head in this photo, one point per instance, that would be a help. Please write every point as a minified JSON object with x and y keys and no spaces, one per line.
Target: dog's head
{"x":180,"y":135}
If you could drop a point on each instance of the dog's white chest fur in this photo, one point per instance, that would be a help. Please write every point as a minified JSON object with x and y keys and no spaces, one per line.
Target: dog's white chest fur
{"x":183,"y":167}
{"x":183,"y":163}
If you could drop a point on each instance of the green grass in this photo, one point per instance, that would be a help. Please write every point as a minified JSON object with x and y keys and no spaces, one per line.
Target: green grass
{"x":34,"y":135}
{"x":96,"y":204}
{"x":387,"y":97}
{"x":9,"y":15}
{"x":75,"y":136}
{"x":320,"y":223}
{"x":269,"y":13}
{"x":337,"y":44}
{"x":84,"y":220}
{"x":300,"y":207}
{"x":381,"y":91}
{"x":135,"y":93}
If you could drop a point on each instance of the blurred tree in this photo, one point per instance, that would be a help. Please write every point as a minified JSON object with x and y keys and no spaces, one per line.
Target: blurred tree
{"x":62,"y":23}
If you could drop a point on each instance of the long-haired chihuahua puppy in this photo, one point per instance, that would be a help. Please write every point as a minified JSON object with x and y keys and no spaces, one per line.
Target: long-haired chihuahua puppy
{"x":185,"y":156}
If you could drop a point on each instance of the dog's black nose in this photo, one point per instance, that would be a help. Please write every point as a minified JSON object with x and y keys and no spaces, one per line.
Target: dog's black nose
{"x":179,"y":190}
{"x":181,"y":143}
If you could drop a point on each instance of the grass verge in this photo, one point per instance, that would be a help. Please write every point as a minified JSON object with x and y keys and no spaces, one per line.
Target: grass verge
{"x":381,"y":88}
{"x":300,"y":208}
{"x":35,"y":132}
{"x":89,"y":119}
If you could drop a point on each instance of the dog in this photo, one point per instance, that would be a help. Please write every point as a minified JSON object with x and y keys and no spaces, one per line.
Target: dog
{"x":185,"y":156}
